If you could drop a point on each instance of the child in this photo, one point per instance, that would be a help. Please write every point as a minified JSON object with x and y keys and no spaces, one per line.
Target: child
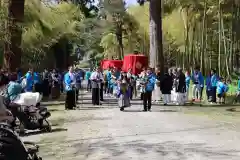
{"x":222,"y":89}
{"x":123,"y":94}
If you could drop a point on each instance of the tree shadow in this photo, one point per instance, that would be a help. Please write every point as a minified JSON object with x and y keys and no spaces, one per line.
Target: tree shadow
{"x":162,"y":110}
{"x":165,"y":149}
{"x":36,"y":132}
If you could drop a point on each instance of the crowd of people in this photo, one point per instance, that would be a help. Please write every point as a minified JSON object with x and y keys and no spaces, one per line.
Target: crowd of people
{"x":171,"y":87}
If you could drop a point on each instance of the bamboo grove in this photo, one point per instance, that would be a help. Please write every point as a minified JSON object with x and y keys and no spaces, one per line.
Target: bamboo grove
{"x":195,"y":32}
{"x":211,"y":34}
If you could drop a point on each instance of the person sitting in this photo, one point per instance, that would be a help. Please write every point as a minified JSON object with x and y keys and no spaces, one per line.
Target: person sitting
{"x":222,"y":89}
{"x":14,"y":88}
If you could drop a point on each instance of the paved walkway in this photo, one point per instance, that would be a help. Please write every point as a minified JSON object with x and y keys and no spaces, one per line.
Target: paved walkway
{"x":108,"y":134}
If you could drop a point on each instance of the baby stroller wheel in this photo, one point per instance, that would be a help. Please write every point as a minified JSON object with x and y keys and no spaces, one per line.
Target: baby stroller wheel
{"x":21,"y":129}
{"x":121,"y":108}
{"x":47,"y":127}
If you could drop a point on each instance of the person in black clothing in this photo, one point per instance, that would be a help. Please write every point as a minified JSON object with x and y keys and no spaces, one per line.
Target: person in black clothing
{"x":45,"y":85}
{"x":180,"y":87}
{"x":101,"y":86}
{"x":166,"y":87}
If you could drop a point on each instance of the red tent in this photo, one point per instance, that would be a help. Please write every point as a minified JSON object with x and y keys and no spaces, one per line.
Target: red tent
{"x":105,"y":64}
{"x":135,"y":62}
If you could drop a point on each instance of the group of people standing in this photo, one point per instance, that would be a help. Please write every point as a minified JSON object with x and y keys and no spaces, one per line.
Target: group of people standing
{"x":171,"y":86}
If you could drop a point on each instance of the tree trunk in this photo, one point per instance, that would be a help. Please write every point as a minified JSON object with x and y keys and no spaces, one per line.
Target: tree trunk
{"x":119,"y":35}
{"x":219,"y":38}
{"x":12,"y":49}
{"x":156,"y":46}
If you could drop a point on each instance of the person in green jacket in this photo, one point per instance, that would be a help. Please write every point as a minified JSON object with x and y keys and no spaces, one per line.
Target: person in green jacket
{"x":89,"y":83}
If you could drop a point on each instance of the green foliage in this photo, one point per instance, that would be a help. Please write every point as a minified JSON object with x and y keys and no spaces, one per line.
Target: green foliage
{"x":109,"y":44}
{"x":45,"y":25}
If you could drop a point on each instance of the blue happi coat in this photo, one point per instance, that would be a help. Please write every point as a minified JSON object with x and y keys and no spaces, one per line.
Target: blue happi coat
{"x":109,"y":78}
{"x":68,"y":81}
{"x":13,"y":90}
{"x":221,"y":87}
{"x":187,"y":81}
{"x":151,"y":83}
{"x":32,"y":78}
{"x":214,"y":80}
{"x":208,"y":83}
{"x":198,"y":78}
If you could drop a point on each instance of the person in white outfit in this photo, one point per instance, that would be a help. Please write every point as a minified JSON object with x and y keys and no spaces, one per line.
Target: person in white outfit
{"x":157,"y":95}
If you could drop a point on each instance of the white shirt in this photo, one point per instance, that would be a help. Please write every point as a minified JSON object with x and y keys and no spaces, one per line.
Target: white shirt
{"x":96,"y":76}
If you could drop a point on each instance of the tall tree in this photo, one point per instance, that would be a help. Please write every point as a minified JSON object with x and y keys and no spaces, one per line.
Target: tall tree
{"x":12,"y":49}
{"x":156,"y":45}
{"x":88,"y":7}
{"x":116,"y":14}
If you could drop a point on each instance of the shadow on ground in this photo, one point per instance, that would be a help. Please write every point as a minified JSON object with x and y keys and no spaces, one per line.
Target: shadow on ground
{"x":31,"y":133}
{"x":164,"y":149}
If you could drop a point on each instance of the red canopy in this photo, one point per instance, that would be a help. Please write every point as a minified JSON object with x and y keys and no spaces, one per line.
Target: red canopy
{"x":105,"y":64}
{"x":135,"y":62}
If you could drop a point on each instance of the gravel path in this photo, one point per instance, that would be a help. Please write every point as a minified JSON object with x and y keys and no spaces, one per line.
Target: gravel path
{"x":163,"y":134}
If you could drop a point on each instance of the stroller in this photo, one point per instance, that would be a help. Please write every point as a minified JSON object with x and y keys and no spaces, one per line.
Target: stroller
{"x":27,"y":110}
{"x":13,"y":148}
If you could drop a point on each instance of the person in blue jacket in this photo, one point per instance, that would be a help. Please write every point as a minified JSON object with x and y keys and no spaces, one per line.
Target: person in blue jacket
{"x":222,"y":89}
{"x":214,"y":81}
{"x":87,"y":77}
{"x":198,"y":83}
{"x":69,"y":82}
{"x":14,"y":88}
{"x":29,"y":80}
{"x":109,"y":81}
{"x":149,"y":87}
{"x":37,"y":82}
